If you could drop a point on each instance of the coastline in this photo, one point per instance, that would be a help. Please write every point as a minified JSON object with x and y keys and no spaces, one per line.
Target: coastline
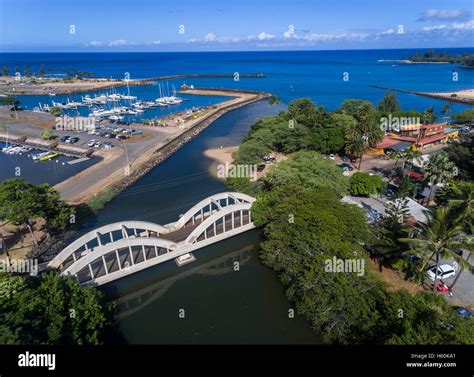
{"x":219,"y":156}
{"x":465,"y":96}
{"x":98,"y":191}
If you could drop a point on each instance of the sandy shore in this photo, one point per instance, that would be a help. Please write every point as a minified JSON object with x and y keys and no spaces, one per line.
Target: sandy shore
{"x":220,"y":156}
{"x":464,"y":94}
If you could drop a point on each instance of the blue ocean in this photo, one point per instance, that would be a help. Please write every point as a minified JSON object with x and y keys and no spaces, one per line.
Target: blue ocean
{"x":289,"y":74}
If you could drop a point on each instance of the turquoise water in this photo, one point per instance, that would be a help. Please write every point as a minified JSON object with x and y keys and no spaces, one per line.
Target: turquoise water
{"x":290,"y":74}
{"x":248,"y":306}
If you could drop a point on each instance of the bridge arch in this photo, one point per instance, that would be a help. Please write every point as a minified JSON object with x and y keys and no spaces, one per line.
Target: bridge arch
{"x":120,"y":258}
{"x":104,"y":235}
{"x":230,"y":217}
{"x":209,"y":206}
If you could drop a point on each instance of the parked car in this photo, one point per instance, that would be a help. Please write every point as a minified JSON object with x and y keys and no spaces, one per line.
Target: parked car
{"x":72,"y":140}
{"x":332,"y":156}
{"x":346,"y":167}
{"x":122,"y":137}
{"x":91,"y":143}
{"x":466,"y":313}
{"x":444,"y":271}
{"x":64,"y":139}
{"x":97,"y":144}
{"x":136,"y":132}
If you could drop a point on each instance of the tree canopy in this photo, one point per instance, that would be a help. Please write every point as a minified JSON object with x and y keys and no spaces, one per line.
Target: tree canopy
{"x":50,"y":309}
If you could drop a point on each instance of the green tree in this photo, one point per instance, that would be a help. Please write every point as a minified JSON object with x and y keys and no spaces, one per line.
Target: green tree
{"x":303,"y":111}
{"x":389,"y":103}
{"x":365,"y":184}
{"x":56,"y":111}
{"x":438,"y":238}
{"x":460,"y":153}
{"x":5,"y":70}
{"x":307,"y":169}
{"x":439,"y":169}
{"x":446,"y":109}
{"x":47,"y":134}
{"x":51,"y":310}
{"x":466,"y":116}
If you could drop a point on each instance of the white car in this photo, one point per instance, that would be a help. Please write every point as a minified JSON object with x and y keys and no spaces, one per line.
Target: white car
{"x":97,"y":144}
{"x":444,"y":271}
{"x":332,"y":156}
{"x":91,"y":143}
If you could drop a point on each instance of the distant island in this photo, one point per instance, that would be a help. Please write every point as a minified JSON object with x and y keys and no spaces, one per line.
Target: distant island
{"x":430,"y":56}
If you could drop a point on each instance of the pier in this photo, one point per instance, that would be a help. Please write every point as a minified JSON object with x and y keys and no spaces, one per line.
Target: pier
{"x":120,"y":249}
{"x":441,"y":97}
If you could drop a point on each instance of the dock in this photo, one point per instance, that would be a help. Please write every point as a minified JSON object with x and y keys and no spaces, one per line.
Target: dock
{"x":464,"y":101}
{"x":78,"y":160}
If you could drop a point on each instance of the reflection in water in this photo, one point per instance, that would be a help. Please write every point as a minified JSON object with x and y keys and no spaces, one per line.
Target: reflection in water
{"x":133,"y":302}
{"x":221,"y":304}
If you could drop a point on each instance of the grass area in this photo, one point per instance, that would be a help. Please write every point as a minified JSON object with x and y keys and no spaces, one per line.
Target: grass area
{"x":98,"y":201}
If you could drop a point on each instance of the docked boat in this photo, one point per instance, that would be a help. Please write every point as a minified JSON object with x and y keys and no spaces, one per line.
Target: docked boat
{"x":49,"y":156}
{"x":38,"y":155}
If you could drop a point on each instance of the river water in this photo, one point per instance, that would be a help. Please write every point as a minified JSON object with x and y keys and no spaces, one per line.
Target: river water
{"x":221,"y":305}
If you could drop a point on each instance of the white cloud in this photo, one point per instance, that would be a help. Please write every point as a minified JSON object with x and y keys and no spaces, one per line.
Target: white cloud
{"x":443,"y":15}
{"x":211,"y":37}
{"x":155,"y":42}
{"x":119,"y":42}
{"x":454,"y":26}
{"x":388,"y":32}
{"x":94,"y":44}
{"x":265,"y":36}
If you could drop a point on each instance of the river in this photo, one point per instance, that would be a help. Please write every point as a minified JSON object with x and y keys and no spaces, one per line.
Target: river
{"x":220,"y":305}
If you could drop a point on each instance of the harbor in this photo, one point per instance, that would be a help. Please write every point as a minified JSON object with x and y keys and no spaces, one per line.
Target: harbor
{"x":125,"y":151}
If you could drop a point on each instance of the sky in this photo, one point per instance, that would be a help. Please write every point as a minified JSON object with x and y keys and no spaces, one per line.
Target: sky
{"x":230,"y":25}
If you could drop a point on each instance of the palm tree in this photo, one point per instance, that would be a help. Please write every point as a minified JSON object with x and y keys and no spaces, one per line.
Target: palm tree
{"x":439,"y":169}
{"x":462,"y":201}
{"x":356,"y":147}
{"x":446,"y":109}
{"x":439,"y":238}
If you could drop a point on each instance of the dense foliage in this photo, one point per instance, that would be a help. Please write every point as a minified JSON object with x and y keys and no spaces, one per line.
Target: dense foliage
{"x":460,"y":154}
{"x":50,"y":309}
{"x":307,"y":169}
{"x":431,"y":56}
{"x":365,"y":184}
{"x":304,"y":228}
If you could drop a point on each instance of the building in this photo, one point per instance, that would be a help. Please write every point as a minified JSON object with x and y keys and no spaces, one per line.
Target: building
{"x":422,"y":136}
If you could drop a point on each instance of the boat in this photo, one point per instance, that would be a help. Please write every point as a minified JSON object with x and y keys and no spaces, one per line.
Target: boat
{"x":49,"y":156}
{"x":36,"y":156}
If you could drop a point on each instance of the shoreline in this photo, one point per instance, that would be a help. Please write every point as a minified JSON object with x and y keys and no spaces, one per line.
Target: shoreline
{"x":460,"y":95}
{"x":44,"y":86}
{"x":219,"y":156}
{"x":114,"y":182}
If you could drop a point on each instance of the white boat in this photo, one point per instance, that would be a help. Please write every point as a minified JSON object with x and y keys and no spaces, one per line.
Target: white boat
{"x":37,"y":156}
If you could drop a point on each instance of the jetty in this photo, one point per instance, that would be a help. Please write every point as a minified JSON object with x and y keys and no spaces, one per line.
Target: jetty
{"x":439,"y":96}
